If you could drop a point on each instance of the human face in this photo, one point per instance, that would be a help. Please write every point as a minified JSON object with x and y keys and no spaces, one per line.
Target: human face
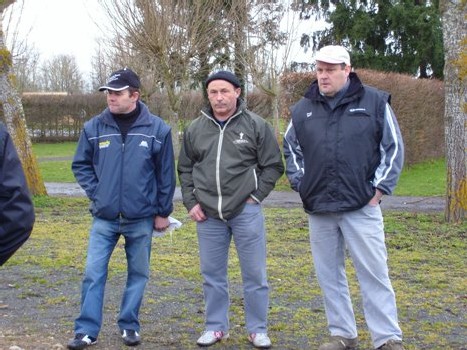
{"x":121,"y":102}
{"x":223,"y":96}
{"x":331,"y":77}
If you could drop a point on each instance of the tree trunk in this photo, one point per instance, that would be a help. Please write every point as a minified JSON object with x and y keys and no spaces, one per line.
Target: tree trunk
{"x":15,"y":120}
{"x":455,"y":78}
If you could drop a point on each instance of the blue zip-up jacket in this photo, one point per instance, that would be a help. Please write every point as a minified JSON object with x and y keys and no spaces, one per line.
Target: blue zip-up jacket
{"x":337,"y":157}
{"x":135,"y":179}
{"x":16,"y":208}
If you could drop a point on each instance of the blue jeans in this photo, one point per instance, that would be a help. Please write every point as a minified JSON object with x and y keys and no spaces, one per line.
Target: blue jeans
{"x":214,"y":237}
{"x":104,"y":236}
{"x":362,"y":232}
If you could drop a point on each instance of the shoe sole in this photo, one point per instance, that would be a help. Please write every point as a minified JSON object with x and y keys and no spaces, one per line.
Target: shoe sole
{"x":261,"y":346}
{"x":131,"y":343}
{"x":81,"y":347}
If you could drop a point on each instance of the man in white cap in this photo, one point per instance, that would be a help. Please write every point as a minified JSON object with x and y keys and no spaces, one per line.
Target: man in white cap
{"x":344,"y":151}
{"x":125,"y":163}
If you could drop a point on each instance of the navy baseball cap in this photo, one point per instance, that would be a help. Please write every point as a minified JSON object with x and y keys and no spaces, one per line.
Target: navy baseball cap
{"x":121,"y":80}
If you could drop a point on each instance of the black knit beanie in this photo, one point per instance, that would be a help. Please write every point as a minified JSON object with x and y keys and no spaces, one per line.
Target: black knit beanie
{"x":223,"y":75}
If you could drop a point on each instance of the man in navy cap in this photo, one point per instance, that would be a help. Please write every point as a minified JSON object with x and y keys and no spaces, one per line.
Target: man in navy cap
{"x":229,"y":162}
{"x":125,"y":163}
{"x":344,"y":151}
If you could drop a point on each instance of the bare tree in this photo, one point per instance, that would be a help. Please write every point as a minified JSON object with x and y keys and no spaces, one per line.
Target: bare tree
{"x":26,"y":70}
{"x":454,"y":14}
{"x":271,"y":32}
{"x":11,"y":23}
{"x":25,"y":57}
{"x":167,"y":37}
{"x":111,"y":58}
{"x":13,"y":114}
{"x":61,"y":73}
{"x":102,"y":63}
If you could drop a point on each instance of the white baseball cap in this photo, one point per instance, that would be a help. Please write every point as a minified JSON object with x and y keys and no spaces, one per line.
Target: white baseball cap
{"x":333,"y":54}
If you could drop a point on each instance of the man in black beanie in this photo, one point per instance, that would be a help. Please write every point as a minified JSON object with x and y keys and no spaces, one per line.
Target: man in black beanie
{"x":229,"y":162}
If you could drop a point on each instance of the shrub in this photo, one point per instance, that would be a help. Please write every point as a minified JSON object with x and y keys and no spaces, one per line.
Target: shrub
{"x":418,"y":104}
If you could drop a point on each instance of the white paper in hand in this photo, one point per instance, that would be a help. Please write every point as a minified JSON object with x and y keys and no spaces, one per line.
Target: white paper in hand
{"x":173,"y":224}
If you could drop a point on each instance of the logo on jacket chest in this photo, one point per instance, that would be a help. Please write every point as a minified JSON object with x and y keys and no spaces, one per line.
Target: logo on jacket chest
{"x":240,"y":139}
{"x":104,"y":144}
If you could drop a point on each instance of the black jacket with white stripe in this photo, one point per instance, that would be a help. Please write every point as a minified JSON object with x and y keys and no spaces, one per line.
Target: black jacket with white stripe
{"x":337,"y":157}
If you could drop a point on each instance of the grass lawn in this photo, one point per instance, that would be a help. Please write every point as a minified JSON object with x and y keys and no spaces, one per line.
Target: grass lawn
{"x":61,"y":149}
{"x":425,"y":179}
{"x":426,"y":260}
{"x":52,"y":163}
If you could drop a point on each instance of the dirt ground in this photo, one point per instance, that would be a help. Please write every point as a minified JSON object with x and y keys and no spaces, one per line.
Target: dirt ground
{"x":170,"y":317}
{"x":161,"y":319}
{"x":42,"y":310}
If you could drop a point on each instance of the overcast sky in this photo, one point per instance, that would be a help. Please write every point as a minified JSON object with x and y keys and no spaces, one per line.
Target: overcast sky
{"x":69,"y":27}
{"x":60,"y":27}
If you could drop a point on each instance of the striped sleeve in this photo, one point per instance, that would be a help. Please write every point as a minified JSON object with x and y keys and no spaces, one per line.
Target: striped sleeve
{"x":293,"y":158}
{"x":392,"y":154}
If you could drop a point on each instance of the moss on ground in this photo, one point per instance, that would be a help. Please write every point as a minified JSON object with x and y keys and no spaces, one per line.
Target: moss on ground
{"x":40,"y":285}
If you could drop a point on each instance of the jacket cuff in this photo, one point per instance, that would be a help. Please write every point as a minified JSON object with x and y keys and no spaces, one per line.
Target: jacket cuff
{"x":252,"y":196}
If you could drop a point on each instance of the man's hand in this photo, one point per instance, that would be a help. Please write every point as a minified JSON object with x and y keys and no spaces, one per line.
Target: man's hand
{"x":161,"y":223}
{"x":197,"y":214}
{"x":376,"y":198}
{"x":251,"y":201}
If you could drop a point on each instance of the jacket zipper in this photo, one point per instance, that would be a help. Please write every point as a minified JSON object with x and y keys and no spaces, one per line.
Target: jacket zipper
{"x":218,"y":180}
{"x":219,"y":151}
{"x":121,"y":179}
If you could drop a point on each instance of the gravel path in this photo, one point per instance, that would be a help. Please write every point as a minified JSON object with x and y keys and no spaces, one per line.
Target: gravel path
{"x":286,"y":199}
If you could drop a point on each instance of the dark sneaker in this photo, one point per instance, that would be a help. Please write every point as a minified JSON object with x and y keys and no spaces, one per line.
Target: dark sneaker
{"x":131,"y":337}
{"x":392,"y":345}
{"x":81,"y":341}
{"x":340,"y":343}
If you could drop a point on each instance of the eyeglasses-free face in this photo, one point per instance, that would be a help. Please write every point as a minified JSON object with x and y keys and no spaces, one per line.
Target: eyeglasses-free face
{"x":121,"y":102}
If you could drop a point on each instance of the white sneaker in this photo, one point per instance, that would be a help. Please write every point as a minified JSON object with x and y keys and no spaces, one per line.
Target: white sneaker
{"x":211,"y":337}
{"x":260,"y":340}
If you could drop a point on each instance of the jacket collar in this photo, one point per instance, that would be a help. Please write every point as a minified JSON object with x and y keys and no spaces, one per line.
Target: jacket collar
{"x":354,"y":90}
{"x":144,"y":117}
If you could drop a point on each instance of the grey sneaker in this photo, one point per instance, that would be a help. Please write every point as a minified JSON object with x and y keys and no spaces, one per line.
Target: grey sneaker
{"x":260,"y":340}
{"x":392,"y":345}
{"x":211,"y":337}
{"x":339,"y":343}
